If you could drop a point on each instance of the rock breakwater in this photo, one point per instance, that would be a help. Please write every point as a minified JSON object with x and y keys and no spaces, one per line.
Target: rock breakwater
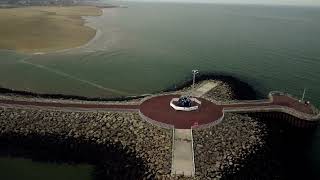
{"x":222,"y":92}
{"x":136,"y":139}
{"x":223,"y":150}
{"x":220,"y":150}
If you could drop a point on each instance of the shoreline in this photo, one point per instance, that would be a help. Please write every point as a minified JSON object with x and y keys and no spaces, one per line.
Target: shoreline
{"x":87,"y":24}
{"x":84,"y":24}
{"x":247,"y":91}
{"x":241,"y":90}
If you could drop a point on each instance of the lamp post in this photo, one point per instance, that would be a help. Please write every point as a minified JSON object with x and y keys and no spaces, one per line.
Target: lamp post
{"x":303,"y":94}
{"x":194,"y":72}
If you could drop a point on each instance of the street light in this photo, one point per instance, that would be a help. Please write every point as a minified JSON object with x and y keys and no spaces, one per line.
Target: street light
{"x":303,"y":94}
{"x":194,"y":72}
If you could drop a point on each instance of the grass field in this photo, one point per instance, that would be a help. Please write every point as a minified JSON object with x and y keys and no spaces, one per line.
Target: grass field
{"x":45,"y":29}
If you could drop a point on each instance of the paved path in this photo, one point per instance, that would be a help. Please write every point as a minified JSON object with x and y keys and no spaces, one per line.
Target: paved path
{"x":157,"y":109}
{"x":183,"y":160}
{"x":203,"y":89}
{"x":75,"y":106}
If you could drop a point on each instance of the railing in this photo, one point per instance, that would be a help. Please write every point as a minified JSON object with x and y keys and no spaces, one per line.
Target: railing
{"x":193,"y":164}
{"x":277,"y":108}
{"x":288,"y":110}
{"x":245,"y":102}
{"x":314,"y":109}
{"x":173,"y":172}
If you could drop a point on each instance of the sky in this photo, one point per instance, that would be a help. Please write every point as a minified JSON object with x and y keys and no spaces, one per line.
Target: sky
{"x":274,"y":2}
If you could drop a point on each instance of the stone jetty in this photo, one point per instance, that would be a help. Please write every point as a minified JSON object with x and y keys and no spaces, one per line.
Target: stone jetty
{"x":220,"y":150}
{"x":142,"y":133}
{"x":150,"y":143}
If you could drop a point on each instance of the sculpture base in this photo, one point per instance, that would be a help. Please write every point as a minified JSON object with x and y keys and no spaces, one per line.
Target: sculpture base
{"x":195,"y":105}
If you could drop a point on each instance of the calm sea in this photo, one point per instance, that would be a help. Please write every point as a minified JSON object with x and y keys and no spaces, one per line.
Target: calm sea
{"x":150,"y":46}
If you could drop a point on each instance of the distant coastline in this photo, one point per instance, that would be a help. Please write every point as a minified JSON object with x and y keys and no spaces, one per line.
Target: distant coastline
{"x":53,"y":28}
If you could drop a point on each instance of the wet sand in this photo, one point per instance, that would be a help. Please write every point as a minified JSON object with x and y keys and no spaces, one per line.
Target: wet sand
{"x":46,"y":29}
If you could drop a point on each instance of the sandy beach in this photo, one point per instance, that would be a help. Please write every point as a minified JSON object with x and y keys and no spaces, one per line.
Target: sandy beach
{"x":46,"y":29}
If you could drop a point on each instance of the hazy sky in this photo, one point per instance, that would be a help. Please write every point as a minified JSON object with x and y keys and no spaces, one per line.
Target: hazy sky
{"x":287,"y":2}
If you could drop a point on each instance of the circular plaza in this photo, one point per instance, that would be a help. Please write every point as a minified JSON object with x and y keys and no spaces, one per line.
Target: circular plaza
{"x":158,"y":110}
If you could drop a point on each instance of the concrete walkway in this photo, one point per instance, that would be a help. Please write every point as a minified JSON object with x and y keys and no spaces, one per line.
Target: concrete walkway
{"x":183,"y":160}
{"x":203,"y":89}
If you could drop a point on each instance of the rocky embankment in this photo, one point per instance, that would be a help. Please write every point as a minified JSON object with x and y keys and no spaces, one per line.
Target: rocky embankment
{"x":222,"y":92}
{"x":222,"y":150}
{"x":126,"y":131}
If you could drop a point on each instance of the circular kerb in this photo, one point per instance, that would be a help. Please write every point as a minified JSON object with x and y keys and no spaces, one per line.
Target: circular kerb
{"x":159,"y":110}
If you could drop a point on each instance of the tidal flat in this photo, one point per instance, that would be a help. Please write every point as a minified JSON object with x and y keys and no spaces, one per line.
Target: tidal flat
{"x":41,"y":29}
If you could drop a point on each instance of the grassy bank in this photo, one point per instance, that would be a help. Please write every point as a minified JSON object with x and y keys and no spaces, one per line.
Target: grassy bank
{"x":45,"y":29}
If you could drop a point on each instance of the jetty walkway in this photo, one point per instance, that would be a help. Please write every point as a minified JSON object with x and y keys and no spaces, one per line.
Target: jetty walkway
{"x":211,"y":113}
{"x":157,"y":110}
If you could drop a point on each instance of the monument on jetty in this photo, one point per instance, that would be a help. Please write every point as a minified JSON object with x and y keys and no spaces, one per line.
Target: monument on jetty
{"x":185,"y":103}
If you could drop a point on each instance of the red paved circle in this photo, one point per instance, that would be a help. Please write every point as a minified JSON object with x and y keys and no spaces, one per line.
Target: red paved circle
{"x":158,"y":109}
